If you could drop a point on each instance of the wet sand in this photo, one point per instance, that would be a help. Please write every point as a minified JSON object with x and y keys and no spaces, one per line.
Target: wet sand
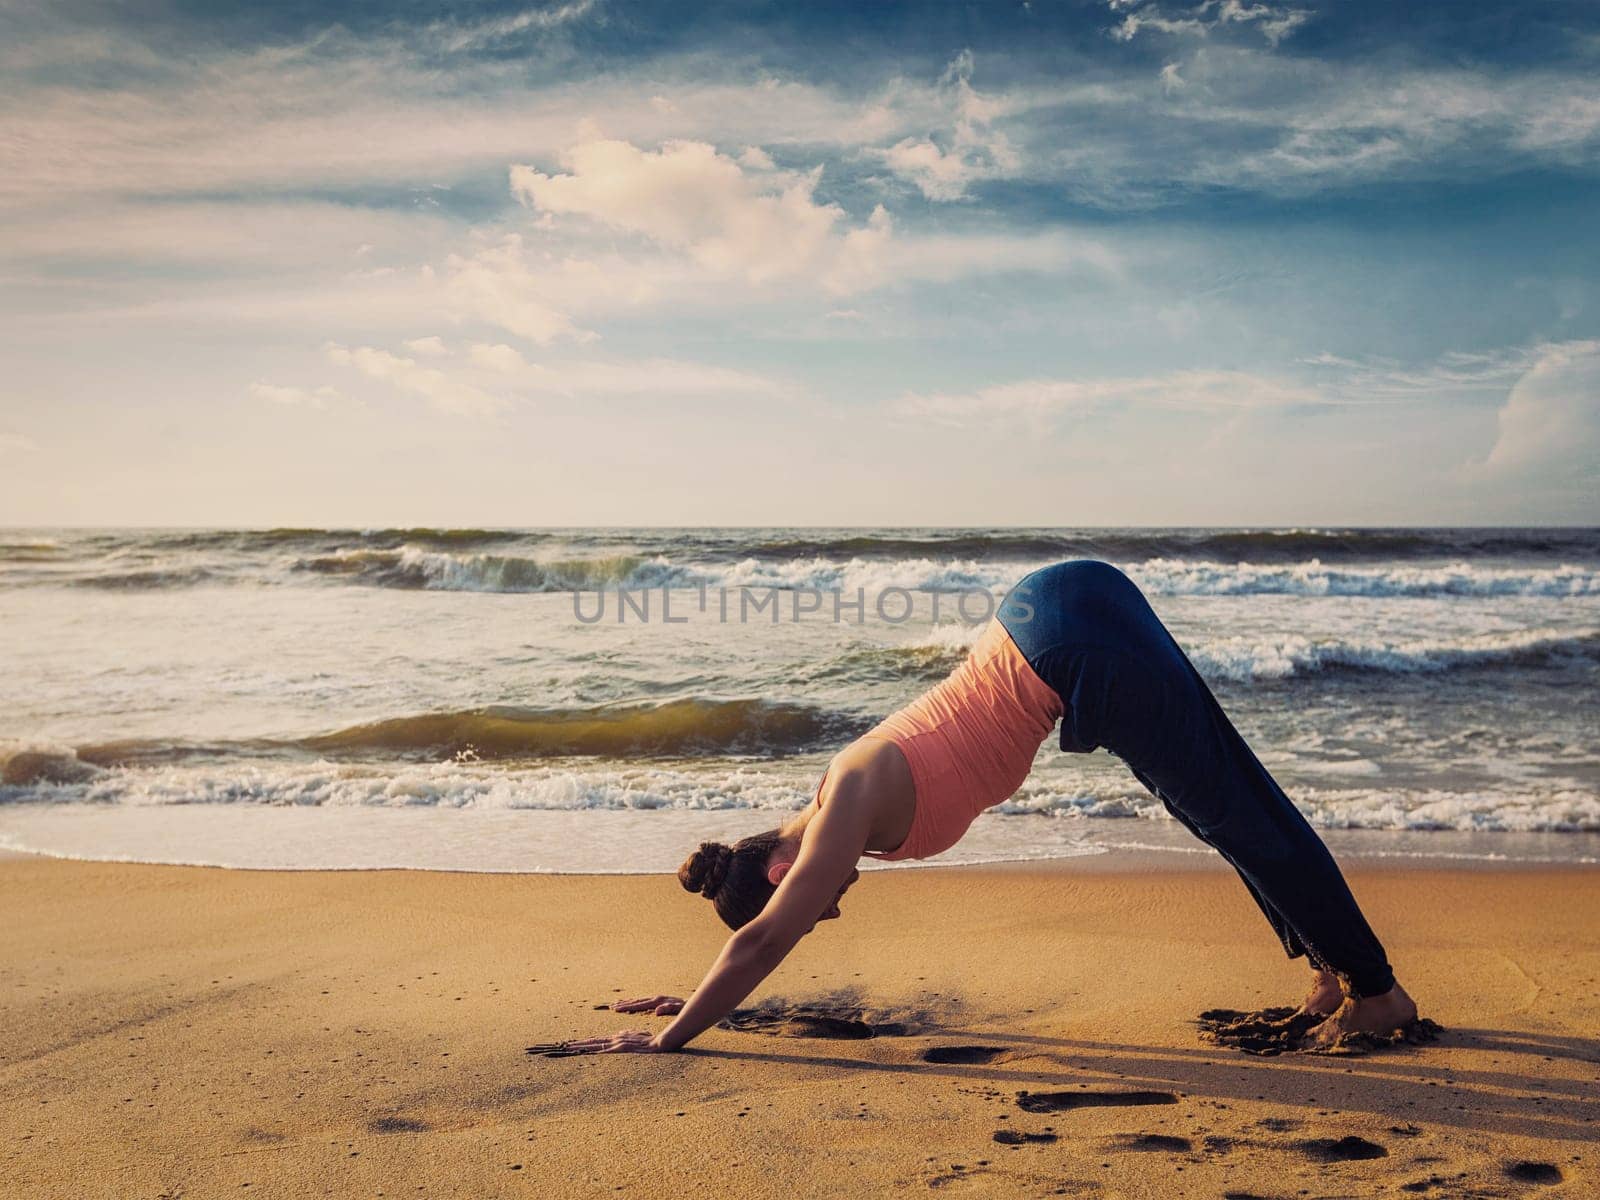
{"x":1007,"y":1031}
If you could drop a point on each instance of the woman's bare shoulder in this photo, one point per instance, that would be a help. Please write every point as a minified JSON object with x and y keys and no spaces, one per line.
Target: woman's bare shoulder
{"x":871,"y":780}
{"x":870,"y":762}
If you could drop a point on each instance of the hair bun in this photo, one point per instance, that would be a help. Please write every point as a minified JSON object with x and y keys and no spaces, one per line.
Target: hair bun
{"x":705,"y":869}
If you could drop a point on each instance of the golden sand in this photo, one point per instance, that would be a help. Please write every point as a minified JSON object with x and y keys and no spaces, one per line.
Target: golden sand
{"x":174,"y":1031}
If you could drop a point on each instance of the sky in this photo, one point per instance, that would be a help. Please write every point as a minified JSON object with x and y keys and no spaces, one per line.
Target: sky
{"x":1065,"y":263}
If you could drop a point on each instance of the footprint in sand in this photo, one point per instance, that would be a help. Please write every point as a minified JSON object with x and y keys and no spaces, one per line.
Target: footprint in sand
{"x":1272,"y":1031}
{"x":1016,"y":1137}
{"x":827,"y":1019}
{"x":1436,"y":1182}
{"x":1049,"y":1102}
{"x":1279,"y":1124}
{"x":1153,"y":1141}
{"x":1345,"y":1149}
{"x":812,"y":1025}
{"x":397,"y":1125}
{"x":963,"y":1055}
{"x":1534,"y":1172}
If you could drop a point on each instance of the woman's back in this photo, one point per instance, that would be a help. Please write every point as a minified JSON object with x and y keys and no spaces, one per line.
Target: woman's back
{"x":970,"y":741}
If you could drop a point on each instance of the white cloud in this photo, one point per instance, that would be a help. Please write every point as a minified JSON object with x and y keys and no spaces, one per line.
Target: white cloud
{"x":307,"y":397}
{"x":405,"y":374}
{"x":940,"y":175}
{"x":1550,"y":423}
{"x":15,"y":443}
{"x":458,"y":37}
{"x":1150,"y":18}
{"x":1453,"y":374}
{"x":709,"y":235}
{"x":500,"y":285}
{"x":1567,"y":125}
{"x":761,"y":238}
{"x":499,"y":357}
{"x":341,"y":111}
{"x":1332,"y":122}
{"x":1275,"y":24}
{"x":688,"y":197}
{"x":944,"y":166}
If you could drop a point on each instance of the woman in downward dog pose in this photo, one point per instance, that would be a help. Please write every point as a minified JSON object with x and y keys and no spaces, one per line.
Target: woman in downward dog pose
{"x":1078,"y":643}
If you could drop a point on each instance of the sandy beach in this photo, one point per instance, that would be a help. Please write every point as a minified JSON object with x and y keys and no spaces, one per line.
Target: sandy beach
{"x":173,"y":1031}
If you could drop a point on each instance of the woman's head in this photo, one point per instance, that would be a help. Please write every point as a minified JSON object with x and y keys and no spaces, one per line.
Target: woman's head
{"x":737,"y":879}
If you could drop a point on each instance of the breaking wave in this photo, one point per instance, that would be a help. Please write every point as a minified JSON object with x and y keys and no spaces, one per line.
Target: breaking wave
{"x":647,"y":787}
{"x":689,"y":728}
{"x":678,"y":728}
{"x":413,"y":568}
{"x":1226,"y":545}
{"x":1182,"y":577}
{"x":1241,"y":659}
{"x":1552,"y":810}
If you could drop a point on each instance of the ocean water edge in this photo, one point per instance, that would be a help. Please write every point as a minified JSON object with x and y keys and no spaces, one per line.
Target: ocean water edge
{"x":602,"y":699}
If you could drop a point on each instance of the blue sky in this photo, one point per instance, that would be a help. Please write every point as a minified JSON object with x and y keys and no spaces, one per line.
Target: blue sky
{"x":598,"y":262}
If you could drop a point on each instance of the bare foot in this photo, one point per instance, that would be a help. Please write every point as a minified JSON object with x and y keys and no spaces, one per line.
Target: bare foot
{"x":1377,"y":1015}
{"x":1325,"y":996}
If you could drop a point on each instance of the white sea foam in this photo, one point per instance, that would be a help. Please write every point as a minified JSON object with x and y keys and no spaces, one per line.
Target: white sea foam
{"x":415,"y":566}
{"x":1527,"y":809}
{"x":507,"y":573}
{"x":1284,"y":656}
{"x":463,"y":785}
{"x":1244,"y":657}
{"x":574,"y":566}
{"x":1528,"y":806}
{"x":1183,"y":577}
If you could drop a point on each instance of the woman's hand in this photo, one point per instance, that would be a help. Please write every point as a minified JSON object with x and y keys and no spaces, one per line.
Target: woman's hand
{"x":630,"y":1041}
{"x":662,"y":1006}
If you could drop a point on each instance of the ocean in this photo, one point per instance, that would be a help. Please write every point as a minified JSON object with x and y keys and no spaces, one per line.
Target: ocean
{"x":586,"y":700}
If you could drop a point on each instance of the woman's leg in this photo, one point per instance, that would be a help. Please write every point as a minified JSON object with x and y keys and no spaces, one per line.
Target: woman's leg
{"x":1231,"y":802}
{"x":1292,"y":945}
{"x":1125,"y":684}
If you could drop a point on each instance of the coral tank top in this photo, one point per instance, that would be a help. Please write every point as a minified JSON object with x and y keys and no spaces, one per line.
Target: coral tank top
{"x":969,"y":741}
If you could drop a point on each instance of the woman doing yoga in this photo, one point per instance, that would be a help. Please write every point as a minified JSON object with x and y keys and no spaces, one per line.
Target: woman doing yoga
{"x":1078,"y":643}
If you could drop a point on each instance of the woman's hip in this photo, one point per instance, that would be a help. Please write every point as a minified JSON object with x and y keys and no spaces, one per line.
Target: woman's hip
{"x":1084,"y":604}
{"x":1089,"y":633}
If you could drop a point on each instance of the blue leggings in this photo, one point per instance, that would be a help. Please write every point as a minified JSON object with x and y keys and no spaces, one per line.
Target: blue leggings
{"x":1124,"y":684}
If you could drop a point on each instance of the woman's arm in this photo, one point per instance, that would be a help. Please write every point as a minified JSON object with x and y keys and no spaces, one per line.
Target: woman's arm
{"x":829,"y":849}
{"x":749,"y":956}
